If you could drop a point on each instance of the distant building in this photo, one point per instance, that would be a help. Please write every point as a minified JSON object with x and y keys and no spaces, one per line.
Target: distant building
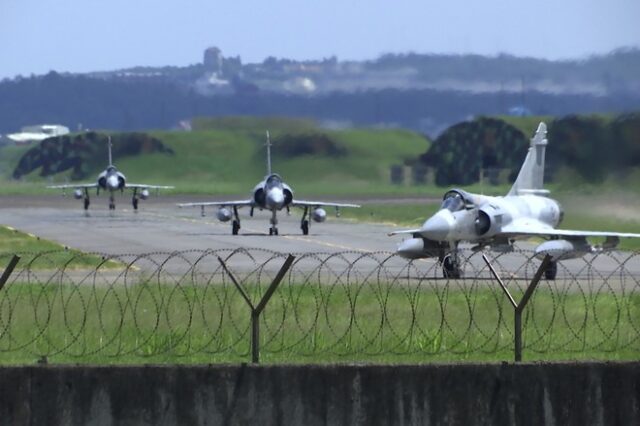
{"x":300,"y":85}
{"x":213,"y":60}
{"x":37,"y":133}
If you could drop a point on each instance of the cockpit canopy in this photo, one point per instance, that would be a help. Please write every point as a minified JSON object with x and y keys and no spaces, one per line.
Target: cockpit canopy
{"x":273,"y":181}
{"x":456,"y":200}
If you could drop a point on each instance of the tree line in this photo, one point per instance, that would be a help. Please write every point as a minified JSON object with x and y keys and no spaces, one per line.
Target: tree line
{"x":127,"y":105}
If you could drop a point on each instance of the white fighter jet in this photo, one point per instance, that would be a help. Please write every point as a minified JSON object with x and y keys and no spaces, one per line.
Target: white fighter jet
{"x":110,"y":180}
{"x":274,"y":195}
{"x":496,"y":222}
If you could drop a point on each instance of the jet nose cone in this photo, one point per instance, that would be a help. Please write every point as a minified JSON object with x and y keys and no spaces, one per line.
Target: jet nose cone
{"x":436,"y":228}
{"x":112,"y":182}
{"x":275,"y":198}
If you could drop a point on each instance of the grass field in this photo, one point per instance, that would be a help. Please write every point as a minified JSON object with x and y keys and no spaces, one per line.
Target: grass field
{"x":29,"y":246}
{"x":313,"y":323}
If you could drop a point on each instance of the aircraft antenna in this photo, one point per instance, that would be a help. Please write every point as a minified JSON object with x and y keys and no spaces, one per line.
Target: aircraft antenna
{"x":268,"y":154}
{"x":110,"y":159}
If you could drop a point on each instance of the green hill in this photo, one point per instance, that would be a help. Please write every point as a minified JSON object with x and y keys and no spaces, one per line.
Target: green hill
{"x":228,"y":155}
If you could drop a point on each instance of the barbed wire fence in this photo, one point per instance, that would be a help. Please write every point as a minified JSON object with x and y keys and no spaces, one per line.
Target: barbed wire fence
{"x":349,"y":305}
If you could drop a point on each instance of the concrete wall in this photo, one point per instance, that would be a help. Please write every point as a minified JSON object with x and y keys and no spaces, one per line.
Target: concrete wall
{"x":527,"y":394}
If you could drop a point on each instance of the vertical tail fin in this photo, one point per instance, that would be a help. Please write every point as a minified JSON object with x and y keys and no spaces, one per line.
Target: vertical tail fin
{"x":268,"y":154}
{"x":531,"y":176}
{"x":109,"y":147}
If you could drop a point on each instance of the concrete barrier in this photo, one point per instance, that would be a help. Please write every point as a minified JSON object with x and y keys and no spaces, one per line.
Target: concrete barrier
{"x":464,"y":394}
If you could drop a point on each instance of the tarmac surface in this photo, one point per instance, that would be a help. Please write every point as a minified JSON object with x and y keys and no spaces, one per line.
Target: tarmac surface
{"x":160,"y":226}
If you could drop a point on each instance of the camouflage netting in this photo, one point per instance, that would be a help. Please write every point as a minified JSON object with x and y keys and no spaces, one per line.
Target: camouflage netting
{"x":594,"y":146}
{"x":84,"y":152}
{"x":487,"y":143}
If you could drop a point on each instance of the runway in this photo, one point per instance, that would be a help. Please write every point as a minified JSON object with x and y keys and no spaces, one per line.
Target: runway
{"x":160,"y":226}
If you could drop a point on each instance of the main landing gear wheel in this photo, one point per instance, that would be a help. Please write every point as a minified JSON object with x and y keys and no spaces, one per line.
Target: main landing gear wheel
{"x":235,"y":226}
{"x":112,"y":206}
{"x":86,"y":204}
{"x":273,"y":231}
{"x":305,"y":227}
{"x":451,"y":268}
{"x":135,"y":203}
{"x":551,"y":271}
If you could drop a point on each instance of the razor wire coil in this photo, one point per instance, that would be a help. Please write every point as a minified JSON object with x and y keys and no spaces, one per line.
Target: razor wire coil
{"x":346,"y":304}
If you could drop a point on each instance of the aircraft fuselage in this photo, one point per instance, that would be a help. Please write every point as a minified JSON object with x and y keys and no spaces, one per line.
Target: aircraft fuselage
{"x":272,"y":193}
{"x":490,"y":217}
{"x":481,"y":220}
{"x":111,"y":180}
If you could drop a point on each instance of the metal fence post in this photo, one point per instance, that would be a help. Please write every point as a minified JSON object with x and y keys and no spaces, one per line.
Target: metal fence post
{"x":255,"y":336}
{"x":257,"y":310}
{"x":518,"y":308}
{"x":9,"y":269}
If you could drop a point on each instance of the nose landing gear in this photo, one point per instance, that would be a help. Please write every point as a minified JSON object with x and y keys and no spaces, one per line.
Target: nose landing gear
{"x":451,"y":263}
{"x":551,"y":271}
{"x":451,"y":267}
{"x":274,"y":222}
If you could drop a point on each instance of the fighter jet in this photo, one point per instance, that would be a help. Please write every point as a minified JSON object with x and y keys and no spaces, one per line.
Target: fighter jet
{"x":270,"y":194}
{"x":496,"y":222}
{"x":110,"y":180}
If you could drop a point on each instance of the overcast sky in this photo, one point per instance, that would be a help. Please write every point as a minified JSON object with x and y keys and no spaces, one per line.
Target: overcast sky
{"x":89,"y":35}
